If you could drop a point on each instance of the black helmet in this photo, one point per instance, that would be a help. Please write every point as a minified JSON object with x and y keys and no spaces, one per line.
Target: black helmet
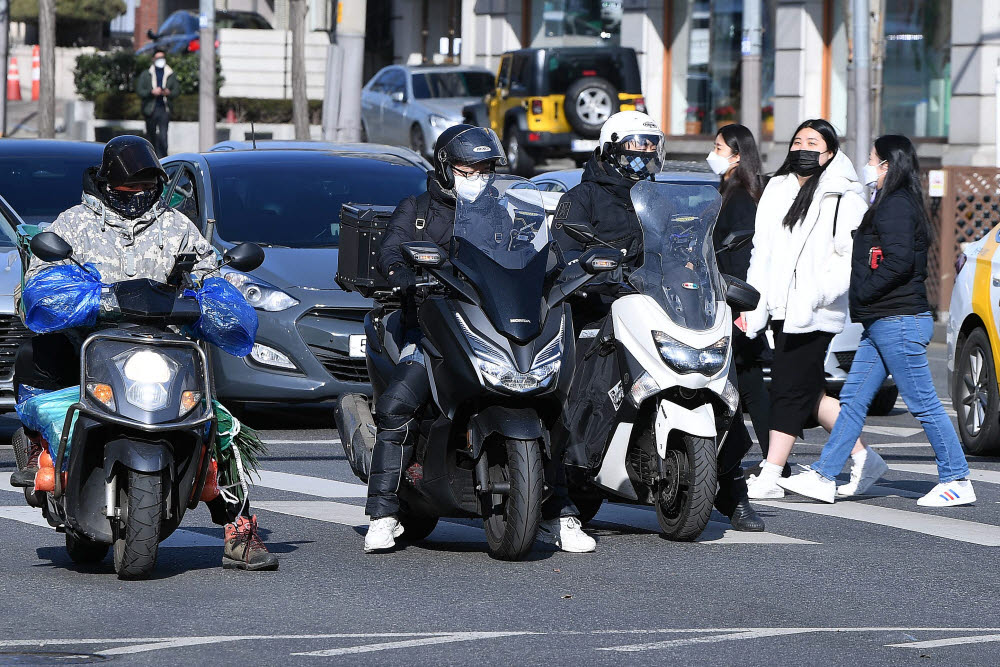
{"x":130,"y":160}
{"x":464,"y":144}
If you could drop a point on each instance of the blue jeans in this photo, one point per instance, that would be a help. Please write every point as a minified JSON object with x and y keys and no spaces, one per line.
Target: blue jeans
{"x":895,"y":345}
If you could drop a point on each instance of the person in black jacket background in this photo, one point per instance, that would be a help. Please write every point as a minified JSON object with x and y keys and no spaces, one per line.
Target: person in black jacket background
{"x":888,"y":296}
{"x":737,"y":162}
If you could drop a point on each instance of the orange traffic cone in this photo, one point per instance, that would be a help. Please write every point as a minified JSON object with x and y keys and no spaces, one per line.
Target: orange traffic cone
{"x":13,"y":82}
{"x":35,"y":73}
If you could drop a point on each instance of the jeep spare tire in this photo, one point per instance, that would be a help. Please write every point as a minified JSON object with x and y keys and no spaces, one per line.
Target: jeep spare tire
{"x":589,"y":102}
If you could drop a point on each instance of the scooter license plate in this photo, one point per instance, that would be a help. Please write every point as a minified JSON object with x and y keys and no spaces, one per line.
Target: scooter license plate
{"x":357,"y":346}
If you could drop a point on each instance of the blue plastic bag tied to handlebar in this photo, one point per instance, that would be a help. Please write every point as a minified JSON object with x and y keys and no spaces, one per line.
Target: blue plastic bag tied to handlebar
{"x":227,"y":320}
{"x":62,"y":297}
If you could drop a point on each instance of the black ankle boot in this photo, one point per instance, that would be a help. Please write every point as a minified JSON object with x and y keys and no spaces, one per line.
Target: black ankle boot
{"x":745,"y":518}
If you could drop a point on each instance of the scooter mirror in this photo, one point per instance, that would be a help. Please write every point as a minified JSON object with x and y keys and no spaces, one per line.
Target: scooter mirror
{"x":576,"y":232}
{"x":423,"y":254}
{"x":244,"y":257}
{"x":50,"y":247}
{"x":735,"y":241}
{"x":740,"y":295}
{"x":599,"y":260}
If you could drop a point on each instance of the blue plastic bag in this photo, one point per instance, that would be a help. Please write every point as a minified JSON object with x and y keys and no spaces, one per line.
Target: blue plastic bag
{"x":62,"y":297}
{"x":227,"y":320}
{"x":46,"y":413}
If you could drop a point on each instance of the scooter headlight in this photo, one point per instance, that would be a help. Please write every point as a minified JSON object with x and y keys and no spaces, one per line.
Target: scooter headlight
{"x":686,"y":359}
{"x":147,"y":376}
{"x":497,"y":368}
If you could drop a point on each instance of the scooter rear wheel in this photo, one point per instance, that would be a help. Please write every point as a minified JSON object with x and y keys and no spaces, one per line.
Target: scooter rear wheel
{"x":684,"y":501}
{"x":511,"y":521}
{"x":137,"y":531}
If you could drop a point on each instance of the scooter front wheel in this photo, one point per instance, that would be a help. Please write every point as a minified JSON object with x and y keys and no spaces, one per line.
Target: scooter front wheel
{"x":137,"y":530}
{"x":511,"y":520}
{"x":685,"y":498}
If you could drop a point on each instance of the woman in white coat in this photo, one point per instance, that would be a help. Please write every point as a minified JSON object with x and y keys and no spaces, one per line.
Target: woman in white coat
{"x":801,"y":265}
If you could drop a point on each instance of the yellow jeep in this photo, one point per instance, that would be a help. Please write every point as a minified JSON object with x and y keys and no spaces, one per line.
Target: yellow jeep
{"x":552,"y":102}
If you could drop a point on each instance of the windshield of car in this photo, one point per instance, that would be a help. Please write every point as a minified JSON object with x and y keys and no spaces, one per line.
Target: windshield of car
{"x":451,"y":84}
{"x":679,"y":270}
{"x":295,"y":202}
{"x":40,"y":188}
{"x":616,"y":66}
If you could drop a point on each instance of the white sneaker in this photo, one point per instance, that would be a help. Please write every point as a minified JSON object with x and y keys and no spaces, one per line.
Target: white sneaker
{"x":567,"y":534}
{"x":382,"y":534}
{"x":951,"y":494}
{"x":810,"y":484}
{"x":865,"y":475}
{"x":763,"y":488}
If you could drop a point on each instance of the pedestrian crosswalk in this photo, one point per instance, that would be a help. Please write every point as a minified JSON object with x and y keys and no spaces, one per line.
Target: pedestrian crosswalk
{"x":336,"y":502}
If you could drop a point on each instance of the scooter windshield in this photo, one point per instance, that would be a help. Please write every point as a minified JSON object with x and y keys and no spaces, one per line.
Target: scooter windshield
{"x":679,"y":269}
{"x":506,"y":222}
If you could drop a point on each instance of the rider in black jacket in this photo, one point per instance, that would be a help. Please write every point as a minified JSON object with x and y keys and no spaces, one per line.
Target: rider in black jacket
{"x":464,"y":161}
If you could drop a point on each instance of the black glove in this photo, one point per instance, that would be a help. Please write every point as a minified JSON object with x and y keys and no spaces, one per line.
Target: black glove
{"x":401,"y":277}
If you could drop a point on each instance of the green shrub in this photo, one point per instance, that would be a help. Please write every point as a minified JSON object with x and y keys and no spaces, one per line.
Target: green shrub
{"x":115,"y":72}
{"x":125,"y":106}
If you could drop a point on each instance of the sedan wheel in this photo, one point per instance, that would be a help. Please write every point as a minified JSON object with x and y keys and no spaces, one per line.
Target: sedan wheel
{"x":417,"y":141}
{"x":976,"y":396}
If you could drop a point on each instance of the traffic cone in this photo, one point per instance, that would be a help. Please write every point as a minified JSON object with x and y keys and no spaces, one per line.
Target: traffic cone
{"x":35,"y":73}
{"x":13,"y":82}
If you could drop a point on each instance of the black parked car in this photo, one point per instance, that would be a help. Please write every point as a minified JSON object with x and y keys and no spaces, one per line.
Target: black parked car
{"x":180,"y":32}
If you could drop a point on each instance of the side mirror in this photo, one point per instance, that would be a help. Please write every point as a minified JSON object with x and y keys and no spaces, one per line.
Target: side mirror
{"x":599,"y":260}
{"x":577,"y":232}
{"x":423,"y":254}
{"x":740,"y":295}
{"x":244,"y":257}
{"x":735,"y":241}
{"x":398,"y":96}
{"x":152,"y":35}
{"x":50,"y":247}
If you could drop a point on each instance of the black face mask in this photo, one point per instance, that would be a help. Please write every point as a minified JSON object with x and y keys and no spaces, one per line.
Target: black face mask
{"x":131,"y":205}
{"x":804,"y":163}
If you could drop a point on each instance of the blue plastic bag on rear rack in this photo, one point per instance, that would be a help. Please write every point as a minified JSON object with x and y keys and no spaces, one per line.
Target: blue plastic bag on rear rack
{"x":227,"y":320}
{"x":62,"y":297}
{"x":46,"y":413}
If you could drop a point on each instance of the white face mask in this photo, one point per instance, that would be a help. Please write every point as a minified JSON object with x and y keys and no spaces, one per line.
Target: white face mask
{"x":718,"y":164}
{"x":469,"y":188}
{"x":160,"y":62}
{"x":869,"y":173}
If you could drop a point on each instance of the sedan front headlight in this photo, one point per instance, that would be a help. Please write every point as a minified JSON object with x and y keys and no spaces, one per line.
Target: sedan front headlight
{"x":440,"y":122}
{"x":497,"y":368}
{"x":260,"y":294}
{"x":685,"y":359}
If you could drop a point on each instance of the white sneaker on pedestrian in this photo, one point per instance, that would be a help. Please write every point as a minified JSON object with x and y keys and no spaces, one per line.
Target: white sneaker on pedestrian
{"x":865,"y":475}
{"x":810,"y":484}
{"x":763,"y":487}
{"x":382,"y":534}
{"x":567,"y":534}
{"x":951,"y":494}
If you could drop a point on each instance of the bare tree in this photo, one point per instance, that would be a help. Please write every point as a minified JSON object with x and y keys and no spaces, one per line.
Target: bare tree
{"x":300,"y":103}
{"x":47,"y":74}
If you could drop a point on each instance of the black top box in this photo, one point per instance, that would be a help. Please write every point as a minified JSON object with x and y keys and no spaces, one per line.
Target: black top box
{"x":362,"y":227}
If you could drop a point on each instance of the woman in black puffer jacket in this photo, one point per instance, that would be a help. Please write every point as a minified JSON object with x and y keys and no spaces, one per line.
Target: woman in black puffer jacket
{"x":888,"y":296}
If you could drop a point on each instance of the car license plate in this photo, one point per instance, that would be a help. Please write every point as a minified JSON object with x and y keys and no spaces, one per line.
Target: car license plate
{"x":583,"y":145}
{"x":358,"y":345}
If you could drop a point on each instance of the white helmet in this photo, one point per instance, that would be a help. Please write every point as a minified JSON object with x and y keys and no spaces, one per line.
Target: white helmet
{"x":633,"y":142}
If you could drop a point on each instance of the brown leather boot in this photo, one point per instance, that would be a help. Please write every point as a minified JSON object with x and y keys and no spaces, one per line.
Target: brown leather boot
{"x":244,"y":549}
{"x":25,"y":477}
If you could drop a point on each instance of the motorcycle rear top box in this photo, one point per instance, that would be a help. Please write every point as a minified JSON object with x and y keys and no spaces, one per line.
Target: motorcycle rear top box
{"x":362,"y":228}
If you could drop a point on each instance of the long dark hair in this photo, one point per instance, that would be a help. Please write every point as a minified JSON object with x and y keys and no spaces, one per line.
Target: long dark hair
{"x":806,"y":193}
{"x":746,"y":175}
{"x":903,"y":174}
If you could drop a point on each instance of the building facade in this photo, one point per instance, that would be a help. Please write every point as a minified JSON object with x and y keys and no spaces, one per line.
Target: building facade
{"x":933,"y":60}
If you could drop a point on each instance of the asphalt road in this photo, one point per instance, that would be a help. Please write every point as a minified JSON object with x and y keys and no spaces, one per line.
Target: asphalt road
{"x":871,"y":581}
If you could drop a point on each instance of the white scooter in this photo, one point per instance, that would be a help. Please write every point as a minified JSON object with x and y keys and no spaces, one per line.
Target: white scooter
{"x":653,"y":397}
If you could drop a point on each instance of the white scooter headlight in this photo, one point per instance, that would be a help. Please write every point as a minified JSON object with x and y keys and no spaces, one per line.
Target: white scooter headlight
{"x":497,"y":368}
{"x":147,"y":376}
{"x":686,"y":359}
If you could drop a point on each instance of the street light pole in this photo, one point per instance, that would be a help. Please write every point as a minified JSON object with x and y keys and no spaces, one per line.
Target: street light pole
{"x":862,"y":84}
{"x":300,"y":103}
{"x":47,"y":72}
{"x":351,"y":41}
{"x":206,"y":75}
{"x":4,"y":48}
{"x":750,"y":67}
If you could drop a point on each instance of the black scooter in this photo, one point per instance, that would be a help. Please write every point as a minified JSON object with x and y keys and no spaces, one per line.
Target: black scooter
{"x":139,"y":451}
{"x":498,"y":347}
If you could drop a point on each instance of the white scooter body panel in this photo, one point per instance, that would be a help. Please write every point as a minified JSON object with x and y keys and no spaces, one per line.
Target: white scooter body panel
{"x":671,"y":417}
{"x":612,"y":475}
{"x":637,"y":316}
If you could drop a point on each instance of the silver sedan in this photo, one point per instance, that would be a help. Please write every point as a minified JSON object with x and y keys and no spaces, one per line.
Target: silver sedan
{"x":411,"y":106}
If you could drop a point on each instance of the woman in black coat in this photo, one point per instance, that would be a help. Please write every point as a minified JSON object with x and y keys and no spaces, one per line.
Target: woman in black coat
{"x":736,"y":160}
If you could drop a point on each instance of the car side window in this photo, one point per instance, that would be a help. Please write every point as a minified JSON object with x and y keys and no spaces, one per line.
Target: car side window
{"x":171,"y":170}
{"x":395,"y":82}
{"x":503,"y":78}
{"x":556,"y":186}
{"x":184,"y":197}
{"x":519,"y":72}
{"x":380,"y":81}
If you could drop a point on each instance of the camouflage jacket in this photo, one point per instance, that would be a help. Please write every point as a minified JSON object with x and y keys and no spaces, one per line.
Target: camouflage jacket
{"x":123,"y":249}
